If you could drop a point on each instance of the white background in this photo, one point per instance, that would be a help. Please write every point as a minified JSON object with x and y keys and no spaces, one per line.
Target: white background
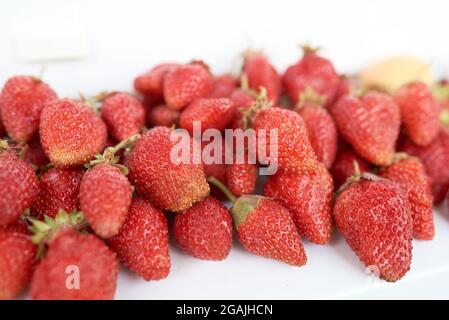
{"x":127,"y":37}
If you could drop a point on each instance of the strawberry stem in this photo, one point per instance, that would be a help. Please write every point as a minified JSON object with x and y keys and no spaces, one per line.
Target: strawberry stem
{"x":310,"y":95}
{"x":222,"y":188}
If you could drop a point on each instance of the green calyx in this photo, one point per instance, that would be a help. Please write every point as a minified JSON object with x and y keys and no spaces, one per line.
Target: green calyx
{"x":109,"y":155}
{"x":310,"y":95}
{"x":358,"y":176}
{"x":261,"y":102}
{"x":441,"y":92}
{"x":44,"y":231}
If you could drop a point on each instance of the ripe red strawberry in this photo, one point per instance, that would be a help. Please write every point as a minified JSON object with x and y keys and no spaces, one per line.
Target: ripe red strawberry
{"x":241,"y":99}
{"x":216,"y":169}
{"x":18,"y":185}
{"x":71,"y":133}
{"x":265,"y":228}
{"x":34,"y":153}
{"x":373,"y":214}
{"x":308,"y":196}
{"x":123,"y":114}
{"x":294,"y":148}
{"x":212,"y":113}
{"x":186,"y":83}
{"x":314,"y":72}
{"x":58,"y":189}
{"x":223,"y":86}
{"x":17,"y":259}
{"x":419,"y":112}
{"x":435,"y":157}
{"x":241,"y":178}
{"x":169,"y":185}
{"x":142,"y":243}
{"x":21,"y":102}
{"x":205,"y":230}
{"x":321,"y":129}
{"x":73,"y":254}
{"x":410,"y":174}
{"x":105,"y":196}
{"x":343,"y":167}
{"x":344,"y":88}
{"x":150,"y":84}
{"x":261,"y":73}
{"x":161,"y":115}
{"x":370,"y":124}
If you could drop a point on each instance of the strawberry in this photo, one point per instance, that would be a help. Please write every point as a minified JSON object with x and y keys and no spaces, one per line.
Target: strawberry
{"x":344,"y":88}
{"x":169,"y":185}
{"x":223,"y":86}
{"x":186,"y":83}
{"x":373,"y":214}
{"x":261,"y":73}
{"x":17,"y":259}
{"x":308,"y":196}
{"x":150,"y":84}
{"x":265,"y":227}
{"x":123,"y":114}
{"x":105,"y":192}
{"x":58,"y":189}
{"x":419,"y":112}
{"x":205,"y":230}
{"x":142,"y":243}
{"x":241,"y":178}
{"x":314,"y":72}
{"x":18,"y":185}
{"x":435,"y":157}
{"x":161,"y":115}
{"x":409,"y":173}
{"x":320,"y":127}
{"x":215,"y":169}
{"x":294,"y":148}
{"x":212,"y":113}
{"x":21,"y":102}
{"x":370,"y":124}
{"x":241,"y":99}
{"x":73,"y":254}
{"x":34,"y":153}
{"x":2,"y":127}
{"x":71,"y":133}
{"x":343,"y":167}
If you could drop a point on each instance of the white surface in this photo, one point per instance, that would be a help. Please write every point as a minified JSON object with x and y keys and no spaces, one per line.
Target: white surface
{"x":127,"y":37}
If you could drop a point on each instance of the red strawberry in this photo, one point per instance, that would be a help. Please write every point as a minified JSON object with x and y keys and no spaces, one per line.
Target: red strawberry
{"x":294,"y":148}
{"x":223,"y":86}
{"x":261,"y":73}
{"x":344,"y":88}
{"x":308,"y":196}
{"x":212,"y":113}
{"x":73,"y":254}
{"x":343,"y":167}
{"x":2,"y":128}
{"x":71,"y":133}
{"x":21,"y":102}
{"x":419,"y":112}
{"x":410,"y":174}
{"x":18,"y":185}
{"x":205,"y":230}
{"x":241,"y":178}
{"x":161,"y":115}
{"x":185,"y":83}
{"x":314,"y":72}
{"x":241,"y":99}
{"x":142,"y":243}
{"x":123,"y":114}
{"x":370,"y":124}
{"x":17,"y":258}
{"x":321,"y":129}
{"x":34,"y":153}
{"x":373,"y":214}
{"x":58,"y":189}
{"x":265,"y":228}
{"x":150,"y":84}
{"x":105,"y":196}
{"x":171,"y":186}
{"x":435,"y":157}
{"x":216,"y":169}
